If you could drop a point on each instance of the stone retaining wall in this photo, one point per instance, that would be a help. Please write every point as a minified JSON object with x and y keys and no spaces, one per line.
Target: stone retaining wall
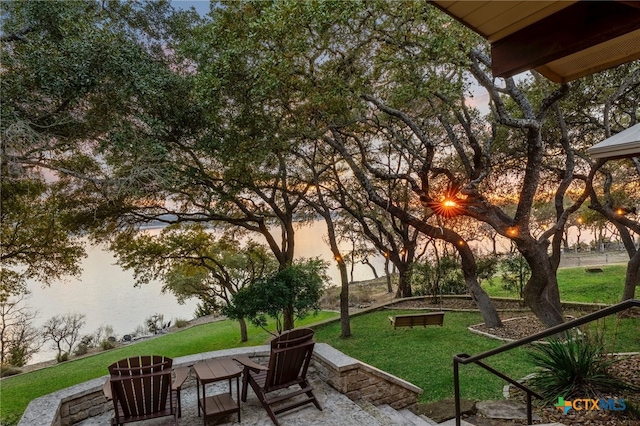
{"x":349,"y":376}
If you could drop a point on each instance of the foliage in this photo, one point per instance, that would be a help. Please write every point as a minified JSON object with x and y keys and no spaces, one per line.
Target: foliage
{"x":487,"y":267}
{"x":37,"y":241}
{"x":193,"y":263}
{"x":296,"y":289}
{"x":180,"y":322}
{"x":515,"y":272}
{"x":155,"y":323}
{"x":443,"y":277}
{"x":574,"y":367}
{"x":63,"y":331}
{"x":7,"y":370}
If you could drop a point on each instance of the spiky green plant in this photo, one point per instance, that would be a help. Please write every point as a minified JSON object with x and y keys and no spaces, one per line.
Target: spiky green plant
{"x":576,"y":366}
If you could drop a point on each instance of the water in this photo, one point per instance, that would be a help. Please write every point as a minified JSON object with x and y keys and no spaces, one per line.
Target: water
{"x":106,"y":295}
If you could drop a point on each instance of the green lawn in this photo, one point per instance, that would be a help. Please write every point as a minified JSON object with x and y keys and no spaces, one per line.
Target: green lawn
{"x":577,"y":285}
{"x":423,"y":356}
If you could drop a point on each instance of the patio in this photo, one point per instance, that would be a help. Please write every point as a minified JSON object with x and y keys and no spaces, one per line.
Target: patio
{"x":350,"y":392}
{"x":338,"y":410}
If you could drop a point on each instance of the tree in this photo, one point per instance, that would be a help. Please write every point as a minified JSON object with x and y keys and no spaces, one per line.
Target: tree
{"x":294,"y":291}
{"x":75,"y":75}
{"x":515,"y":273}
{"x":192,"y":262}
{"x":306,"y":82}
{"x":37,"y":241}
{"x":64,"y":332}
{"x":19,"y":339}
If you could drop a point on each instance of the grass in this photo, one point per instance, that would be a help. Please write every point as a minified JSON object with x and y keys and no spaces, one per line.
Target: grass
{"x":17,"y":391}
{"x":422,"y":356}
{"x":577,"y":285}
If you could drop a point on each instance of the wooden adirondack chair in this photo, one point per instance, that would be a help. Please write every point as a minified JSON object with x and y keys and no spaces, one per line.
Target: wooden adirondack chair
{"x":142,"y":388}
{"x":288,"y":364}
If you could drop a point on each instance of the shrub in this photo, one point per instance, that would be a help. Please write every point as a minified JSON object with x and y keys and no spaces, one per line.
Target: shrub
{"x":155,"y":323}
{"x":9,"y":370}
{"x":434,"y":279}
{"x":62,"y":357}
{"x":107,"y":344}
{"x":81,"y":349}
{"x":574,"y":367}
{"x":180,"y":323}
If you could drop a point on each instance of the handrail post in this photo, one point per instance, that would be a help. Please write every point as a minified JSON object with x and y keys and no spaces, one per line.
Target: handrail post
{"x":456,"y":389}
{"x":529,"y":409}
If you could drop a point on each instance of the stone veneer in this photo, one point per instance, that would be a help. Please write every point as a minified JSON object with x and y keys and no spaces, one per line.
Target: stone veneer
{"x":356,"y":380}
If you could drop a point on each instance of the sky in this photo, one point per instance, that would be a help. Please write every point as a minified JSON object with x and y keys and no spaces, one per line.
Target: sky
{"x":201,"y":6}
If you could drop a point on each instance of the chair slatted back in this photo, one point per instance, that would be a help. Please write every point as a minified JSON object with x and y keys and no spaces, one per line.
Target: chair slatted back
{"x":141,"y":386}
{"x":290,"y":357}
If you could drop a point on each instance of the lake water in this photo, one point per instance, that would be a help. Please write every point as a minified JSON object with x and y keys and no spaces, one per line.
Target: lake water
{"x":106,"y":295}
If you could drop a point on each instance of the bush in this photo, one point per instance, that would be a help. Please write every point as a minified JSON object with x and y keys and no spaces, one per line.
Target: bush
{"x":81,"y":349}
{"x":442,"y":277}
{"x":107,"y":344}
{"x":62,"y":357}
{"x":155,"y":323}
{"x":180,"y":323}
{"x":9,"y":370}
{"x":574,"y":367}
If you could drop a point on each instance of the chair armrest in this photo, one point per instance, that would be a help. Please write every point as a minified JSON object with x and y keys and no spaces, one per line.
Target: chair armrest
{"x":247,"y":363}
{"x":106,"y":390}
{"x":180,"y":376}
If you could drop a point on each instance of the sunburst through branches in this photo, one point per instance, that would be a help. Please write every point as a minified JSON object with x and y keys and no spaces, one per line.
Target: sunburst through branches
{"x":449,"y":205}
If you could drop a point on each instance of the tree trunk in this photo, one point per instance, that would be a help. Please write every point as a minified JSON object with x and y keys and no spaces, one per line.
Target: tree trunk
{"x":404,"y":281}
{"x":288,"y":320}
{"x":480,"y":297}
{"x":632,"y":279}
{"x":373,"y":269}
{"x":345,"y":323}
{"x":388,"y":275}
{"x":538,"y":296}
{"x":243,"y":330}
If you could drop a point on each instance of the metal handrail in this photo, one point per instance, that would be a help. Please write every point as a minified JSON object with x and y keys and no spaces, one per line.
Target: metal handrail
{"x":467,"y":359}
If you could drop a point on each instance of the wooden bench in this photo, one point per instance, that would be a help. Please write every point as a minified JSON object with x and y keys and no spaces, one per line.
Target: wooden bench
{"x":424,"y":319}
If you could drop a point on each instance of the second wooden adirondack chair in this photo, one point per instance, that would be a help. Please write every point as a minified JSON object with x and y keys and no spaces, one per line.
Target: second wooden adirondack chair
{"x":288,"y":364}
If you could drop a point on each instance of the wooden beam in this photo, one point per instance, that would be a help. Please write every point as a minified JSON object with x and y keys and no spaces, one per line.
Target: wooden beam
{"x":577,"y":27}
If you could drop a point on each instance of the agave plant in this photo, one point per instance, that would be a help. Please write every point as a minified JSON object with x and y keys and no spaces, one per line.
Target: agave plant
{"x":576,"y":366}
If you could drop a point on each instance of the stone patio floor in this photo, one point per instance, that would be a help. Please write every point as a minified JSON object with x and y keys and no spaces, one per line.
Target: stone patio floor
{"x":338,"y":410}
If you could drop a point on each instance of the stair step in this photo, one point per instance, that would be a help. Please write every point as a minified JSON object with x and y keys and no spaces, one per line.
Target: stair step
{"x":452,"y":422}
{"x":416,"y":419}
{"x":402,"y":417}
{"x":374,"y":412}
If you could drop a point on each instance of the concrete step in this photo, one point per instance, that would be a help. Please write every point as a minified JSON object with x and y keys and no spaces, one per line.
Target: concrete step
{"x":403,"y":417}
{"x":418,"y":420}
{"x":380,"y":416}
{"x":452,"y":422}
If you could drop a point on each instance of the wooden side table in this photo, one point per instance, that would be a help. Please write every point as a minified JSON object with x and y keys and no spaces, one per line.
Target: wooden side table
{"x":215,"y":370}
